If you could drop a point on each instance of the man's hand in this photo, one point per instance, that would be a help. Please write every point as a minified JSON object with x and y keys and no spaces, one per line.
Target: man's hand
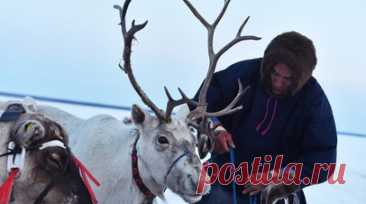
{"x":223,"y":140}
{"x":253,"y":189}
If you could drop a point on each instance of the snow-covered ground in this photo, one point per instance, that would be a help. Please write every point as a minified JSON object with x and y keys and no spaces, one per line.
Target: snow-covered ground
{"x":350,"y":152}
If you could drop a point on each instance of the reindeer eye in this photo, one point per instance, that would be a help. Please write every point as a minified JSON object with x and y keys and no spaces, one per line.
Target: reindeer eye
{"x":28,"y":126}
{"x":163,"y":140}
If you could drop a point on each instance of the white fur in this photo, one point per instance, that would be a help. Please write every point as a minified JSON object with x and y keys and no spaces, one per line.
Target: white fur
{"x":104,"y":144}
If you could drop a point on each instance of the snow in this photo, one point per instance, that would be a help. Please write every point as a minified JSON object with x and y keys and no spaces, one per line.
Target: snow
{"x":350,"y":151}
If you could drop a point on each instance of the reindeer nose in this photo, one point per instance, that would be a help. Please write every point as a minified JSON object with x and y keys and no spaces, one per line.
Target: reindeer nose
{"x":55,"y":156}
{"x":55,"y":160}
{"x":37,"y":129}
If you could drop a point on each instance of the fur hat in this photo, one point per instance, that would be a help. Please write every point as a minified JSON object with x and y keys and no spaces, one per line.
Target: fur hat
{"x":296,"y":51}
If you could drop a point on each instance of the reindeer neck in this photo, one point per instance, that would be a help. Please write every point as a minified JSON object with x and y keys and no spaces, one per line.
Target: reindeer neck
{"x":144,"y":173}
{"x":73,"y":185}
{"x":41,"y":188}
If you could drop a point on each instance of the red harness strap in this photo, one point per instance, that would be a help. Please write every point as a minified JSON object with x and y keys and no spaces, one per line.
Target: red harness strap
{"x":85,"y":174}
{"x":7,"y":187}
{"x":136,"y":174}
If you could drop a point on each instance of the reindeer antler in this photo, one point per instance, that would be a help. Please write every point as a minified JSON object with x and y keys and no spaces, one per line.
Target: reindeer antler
{"x":172,"y":103}
{"x":201,"y":109}
{"x":128,"y":36}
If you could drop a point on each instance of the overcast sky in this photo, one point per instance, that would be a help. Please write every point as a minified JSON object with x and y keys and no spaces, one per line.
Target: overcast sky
{"x":70,"y":49}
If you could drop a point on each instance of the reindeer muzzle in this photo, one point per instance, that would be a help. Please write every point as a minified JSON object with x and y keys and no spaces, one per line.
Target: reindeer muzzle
{"x":55,"y":155}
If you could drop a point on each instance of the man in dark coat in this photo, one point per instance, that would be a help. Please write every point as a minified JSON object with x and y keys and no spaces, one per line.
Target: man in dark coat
{"x":285,"y":112}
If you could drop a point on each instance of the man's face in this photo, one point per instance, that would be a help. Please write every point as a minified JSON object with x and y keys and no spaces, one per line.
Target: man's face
{"x":281,"y":78}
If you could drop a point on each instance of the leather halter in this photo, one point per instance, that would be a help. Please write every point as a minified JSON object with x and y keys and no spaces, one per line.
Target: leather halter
{"x":136,"y":174}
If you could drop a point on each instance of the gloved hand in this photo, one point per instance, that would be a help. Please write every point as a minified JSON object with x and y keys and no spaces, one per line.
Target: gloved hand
{"x":223,"y":140}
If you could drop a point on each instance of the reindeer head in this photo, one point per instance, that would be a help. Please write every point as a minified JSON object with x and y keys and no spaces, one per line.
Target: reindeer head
{"x":48,"y":162}
{"x":45,"y":140}
{"x":167,"y":152}
{"x":168,"y":144}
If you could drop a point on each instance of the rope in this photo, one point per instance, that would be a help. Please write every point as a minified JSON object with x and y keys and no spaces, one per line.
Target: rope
{"x":252,"y":199}
{"x":232,"y":160}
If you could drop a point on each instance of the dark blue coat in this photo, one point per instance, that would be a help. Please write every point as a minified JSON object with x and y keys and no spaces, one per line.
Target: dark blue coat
{"x":301,"y":126}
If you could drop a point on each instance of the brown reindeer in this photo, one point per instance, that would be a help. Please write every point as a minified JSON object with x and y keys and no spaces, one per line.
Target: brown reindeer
{"x":50,"y":173}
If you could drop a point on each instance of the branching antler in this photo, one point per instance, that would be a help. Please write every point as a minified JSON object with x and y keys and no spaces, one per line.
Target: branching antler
{"x":229,"y":109}
{"x":172,"y":103}
{"x":201,"y":106}
{"x":201,"y":110}
{"x":128,"y":36}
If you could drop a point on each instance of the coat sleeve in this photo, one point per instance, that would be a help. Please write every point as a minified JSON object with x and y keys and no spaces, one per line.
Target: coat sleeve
{"x":319,"y":144}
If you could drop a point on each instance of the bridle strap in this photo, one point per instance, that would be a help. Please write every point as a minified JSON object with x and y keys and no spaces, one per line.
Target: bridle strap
{"x":85,"y":175}
{"x":52,"y":143}
{"x":6,"y":188}
{"x":174,"y":163}
{"x":136,"y":174}
{"x":44,"y":193}
{"x":7,"y":154}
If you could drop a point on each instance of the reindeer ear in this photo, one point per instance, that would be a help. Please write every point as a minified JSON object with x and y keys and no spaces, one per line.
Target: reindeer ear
{"x":138,"y":115}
